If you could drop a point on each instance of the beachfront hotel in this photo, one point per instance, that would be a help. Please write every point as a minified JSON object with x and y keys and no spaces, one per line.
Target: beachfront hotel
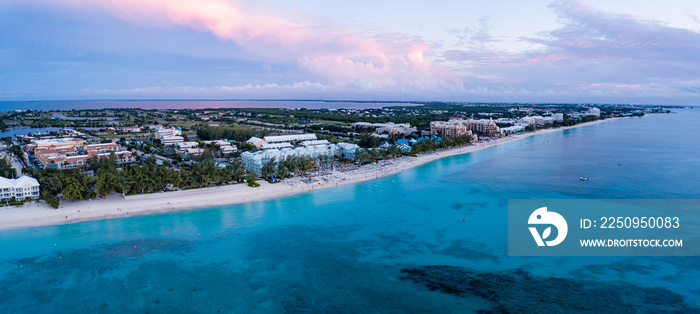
{"x":21,"y":188}
{"x":254,"y":161}
{"x":386,"y":128}
{"x":73,"y":153}
{"x":280,"y":141}
{"x":458,"y":127}
{"x":450,"y":128}
{"x":593,"y":112}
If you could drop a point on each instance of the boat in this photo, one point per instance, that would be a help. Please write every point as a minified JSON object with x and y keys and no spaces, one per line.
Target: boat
{"x":584,"y":178}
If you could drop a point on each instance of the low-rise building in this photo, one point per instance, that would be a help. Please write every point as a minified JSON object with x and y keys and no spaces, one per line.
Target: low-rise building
{"x":21,"y":188}
{"x":536,"y":121}
{"x":276,"y":146}
{"x":225,"y":147}
{"x":290,"y":138}
{"x":161,"y":132}
{"x":69,"y":158}
{"x":172,"y":140}
{"x":56,"y":143}
{"x":514,"y":129}
{"x":256,"y":141}
{"x":315,"y":143}
{"x":187,"y":145}
{"x":254,"y":161}
{"x":386,"y":128}
{"x":101,"y":148}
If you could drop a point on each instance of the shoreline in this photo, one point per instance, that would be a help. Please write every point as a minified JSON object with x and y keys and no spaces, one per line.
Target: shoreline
{"x":115,"y":206}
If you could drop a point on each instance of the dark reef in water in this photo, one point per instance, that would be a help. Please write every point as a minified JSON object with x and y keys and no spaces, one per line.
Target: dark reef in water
{"x":518,"y":291}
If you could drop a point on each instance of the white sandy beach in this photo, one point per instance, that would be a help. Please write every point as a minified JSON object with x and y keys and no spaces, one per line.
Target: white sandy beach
{"x":115,"y":206}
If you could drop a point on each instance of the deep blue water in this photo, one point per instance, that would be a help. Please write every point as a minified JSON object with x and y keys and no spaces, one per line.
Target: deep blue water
{"x":343,"y":249}
{"x":189,"y":104}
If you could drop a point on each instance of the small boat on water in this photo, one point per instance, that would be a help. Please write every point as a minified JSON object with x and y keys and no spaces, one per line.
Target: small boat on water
{"x":584,"y":178}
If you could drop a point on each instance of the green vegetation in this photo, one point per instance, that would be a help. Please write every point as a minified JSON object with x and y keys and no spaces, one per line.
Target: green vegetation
{"x":183,"y":171}
{"x":6,"y":169}
{"x":365,"y":156}
{"x":290,"y":166}
{"x":251,"y":180}
{"x":147,"y":177}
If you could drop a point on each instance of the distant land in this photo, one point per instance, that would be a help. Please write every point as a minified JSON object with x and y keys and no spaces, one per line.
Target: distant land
{"x":245,"y":103}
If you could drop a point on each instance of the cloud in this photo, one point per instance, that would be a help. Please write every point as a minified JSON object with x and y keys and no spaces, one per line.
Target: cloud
{"x":592,"y":54}
{"x":594,"y":34}
{"x":234,"y":47}
{"x":327,"y":52}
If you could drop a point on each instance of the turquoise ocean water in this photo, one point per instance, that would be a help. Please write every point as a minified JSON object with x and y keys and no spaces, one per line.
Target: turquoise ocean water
{"x":348,"y":249}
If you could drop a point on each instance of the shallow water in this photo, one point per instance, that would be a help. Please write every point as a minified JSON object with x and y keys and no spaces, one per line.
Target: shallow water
{"x":344,"y":249}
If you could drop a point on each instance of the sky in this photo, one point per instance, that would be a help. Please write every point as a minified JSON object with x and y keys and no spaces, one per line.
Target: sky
{"x":596,"y":51}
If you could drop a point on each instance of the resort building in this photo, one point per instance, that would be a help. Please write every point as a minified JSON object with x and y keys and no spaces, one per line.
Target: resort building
{"x":256,"y":141}
{"x":393,"y":130}
{"x":514,"y":129}
{"x":172,"y":140}
{"x":161,"y":131}
{"x":22,"y":188}
{"x":56,"y":143}
{"x":276,"y":146}
{"x":101,"y":148}
{"x":225,"y":147}
{"x":230,"y":149}
{"x":190,"y":148}
{"x":536,"y":121}
{"x":387,"y":128}
{"x":69,"y":157}
{"x":290,"y":138}
{"x":593,"y":112}
{"x":450,"y":128}
{"x":254,"y":161}
{"x":458,"y":127}
{"x":315,"y":143}
{"x":80,"y":161}
{"x":558,"y":117}
{"x":184,"y":146}
{"x":71,"y":162}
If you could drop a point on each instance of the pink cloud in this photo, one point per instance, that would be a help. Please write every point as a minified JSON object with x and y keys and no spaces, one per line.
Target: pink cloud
{"x":331,"y":53}
{"x":225,"y":19}
{"x":397,"y":72}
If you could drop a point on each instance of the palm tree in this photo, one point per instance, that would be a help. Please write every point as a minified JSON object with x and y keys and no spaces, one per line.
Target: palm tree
{"x":269,"y":168}
{"x":282,"y":170}
{"x":307,"y":164}
{"x":238,"y":169}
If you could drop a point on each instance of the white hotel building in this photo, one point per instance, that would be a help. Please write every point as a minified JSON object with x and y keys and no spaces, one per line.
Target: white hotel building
{"x":254,"y":161}
{"x":290,"y":138}
{"x":22,"y":188}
